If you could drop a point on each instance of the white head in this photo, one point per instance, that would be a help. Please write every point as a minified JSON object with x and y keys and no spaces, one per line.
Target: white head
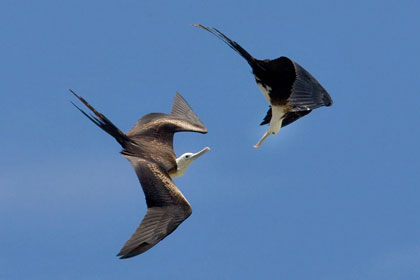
{"x":185,"y":160}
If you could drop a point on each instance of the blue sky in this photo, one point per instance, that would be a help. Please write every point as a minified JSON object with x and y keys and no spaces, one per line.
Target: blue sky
{"x":332,"y":196}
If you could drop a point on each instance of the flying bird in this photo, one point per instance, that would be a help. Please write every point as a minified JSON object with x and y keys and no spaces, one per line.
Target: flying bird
{"x":148,"y":146}
{"x":289,"y":89}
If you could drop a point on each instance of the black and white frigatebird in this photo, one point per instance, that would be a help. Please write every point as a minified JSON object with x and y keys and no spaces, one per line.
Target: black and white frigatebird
{"x":289,"y":89}
{"x":149,"y":148}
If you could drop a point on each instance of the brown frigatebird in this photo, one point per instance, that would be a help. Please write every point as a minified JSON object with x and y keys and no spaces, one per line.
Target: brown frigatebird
{"x":148,"y":146}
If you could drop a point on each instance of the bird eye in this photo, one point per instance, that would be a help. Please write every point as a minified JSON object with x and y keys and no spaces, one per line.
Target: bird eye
{"x":273,"y":133}
{"x":187,"y":156}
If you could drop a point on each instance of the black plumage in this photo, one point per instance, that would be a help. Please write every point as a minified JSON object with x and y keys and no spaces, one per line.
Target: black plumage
{"x":284,"y":83}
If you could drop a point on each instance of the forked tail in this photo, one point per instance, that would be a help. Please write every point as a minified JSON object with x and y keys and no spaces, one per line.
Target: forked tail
{"x":235,"y":46}
{"x":101,"y":121}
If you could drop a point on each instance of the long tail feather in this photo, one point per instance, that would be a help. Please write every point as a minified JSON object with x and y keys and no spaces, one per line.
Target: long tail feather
{"x":102,"y":121}
{"x":235,"y":46}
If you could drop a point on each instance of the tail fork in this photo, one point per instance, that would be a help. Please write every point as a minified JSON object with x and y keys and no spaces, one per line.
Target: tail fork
{"x":103,"y":122}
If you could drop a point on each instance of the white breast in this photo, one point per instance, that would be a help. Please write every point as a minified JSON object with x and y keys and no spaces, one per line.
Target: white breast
{"x":265,"y":91}
{"x":177,"y":173}
{"x":278,"y":112}
{"x":277,"y":115}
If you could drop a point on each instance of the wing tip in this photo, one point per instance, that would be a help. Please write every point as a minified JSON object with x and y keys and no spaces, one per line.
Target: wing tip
{"x":327,"y":100}
{"x":183,"y":110}
{"x":123,"y":257}
{"x":307,"y":92}
{"x":203,"y":130}
{"x":127,"y":255}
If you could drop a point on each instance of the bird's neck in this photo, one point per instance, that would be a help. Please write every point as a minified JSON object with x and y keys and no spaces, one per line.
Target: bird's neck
{"x":278,"y":113}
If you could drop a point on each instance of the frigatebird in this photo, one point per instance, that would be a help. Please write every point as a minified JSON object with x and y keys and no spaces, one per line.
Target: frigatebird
{"x":291,"y":91}
{"x":148,"y":146}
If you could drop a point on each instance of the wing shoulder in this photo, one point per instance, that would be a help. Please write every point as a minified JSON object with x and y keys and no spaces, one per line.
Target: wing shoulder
{"x":158,"y":187}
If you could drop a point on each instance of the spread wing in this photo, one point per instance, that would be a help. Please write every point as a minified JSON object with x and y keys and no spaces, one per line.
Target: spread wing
{"x":181,"y":118}
{"x":154,"y":133}
{"x":307,"y":92}
{"x":182,"y":111}
{"x":167,"y":208}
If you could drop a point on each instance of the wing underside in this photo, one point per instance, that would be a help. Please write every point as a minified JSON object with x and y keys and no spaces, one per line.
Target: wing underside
{"x":307,"y":93}
{"x":167,"y":208}
{"x":182,"y":118}
{"x":182,"y":111}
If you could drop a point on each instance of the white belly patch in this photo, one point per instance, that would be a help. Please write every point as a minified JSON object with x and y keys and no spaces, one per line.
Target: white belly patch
{"x":265,"y":90}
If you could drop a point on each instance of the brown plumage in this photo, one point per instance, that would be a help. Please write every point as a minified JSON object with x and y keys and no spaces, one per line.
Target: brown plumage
{"x":149,"y":148}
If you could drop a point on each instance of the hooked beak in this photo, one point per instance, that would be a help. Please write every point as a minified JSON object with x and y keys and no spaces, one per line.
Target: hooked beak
{"x":265,"y":136}
{"x":200,"y":153}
